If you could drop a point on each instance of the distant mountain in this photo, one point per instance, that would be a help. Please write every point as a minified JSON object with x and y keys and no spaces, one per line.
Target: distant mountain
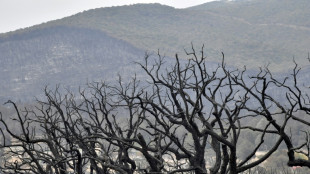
{"x":99,"y":43}
{"x":60,"y":55}
{"x":253,"y":32}
{"x":286,"y":12}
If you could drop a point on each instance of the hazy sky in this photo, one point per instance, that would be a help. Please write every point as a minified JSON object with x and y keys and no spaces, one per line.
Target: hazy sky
{"x":15,"y":14}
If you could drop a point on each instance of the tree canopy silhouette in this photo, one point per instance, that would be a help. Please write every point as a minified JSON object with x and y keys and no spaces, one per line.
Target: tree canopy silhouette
{"x":186,"y":117}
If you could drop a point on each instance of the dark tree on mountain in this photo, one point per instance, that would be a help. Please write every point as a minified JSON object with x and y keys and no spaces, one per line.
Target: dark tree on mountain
{"x":187,"y":117}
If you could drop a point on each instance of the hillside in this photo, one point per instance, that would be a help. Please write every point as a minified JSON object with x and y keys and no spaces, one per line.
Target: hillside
{"x":249,"y":32}
{"x":60,"y":55}
{"x":99,"y":43}
{"x":269,"y":12}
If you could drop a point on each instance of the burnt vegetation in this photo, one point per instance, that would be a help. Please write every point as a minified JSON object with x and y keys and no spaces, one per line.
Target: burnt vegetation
{"x":184,"y":118}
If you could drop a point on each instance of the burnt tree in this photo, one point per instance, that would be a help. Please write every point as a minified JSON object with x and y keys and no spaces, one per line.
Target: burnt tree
{"x":185,"y":117}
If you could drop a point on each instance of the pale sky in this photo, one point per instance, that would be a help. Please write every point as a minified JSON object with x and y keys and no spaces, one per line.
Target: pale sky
{"x":16,"y":14}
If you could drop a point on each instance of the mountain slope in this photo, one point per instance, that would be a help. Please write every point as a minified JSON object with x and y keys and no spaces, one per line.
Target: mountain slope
{"x":286,"y":12}
{"x":99,"y":43}
{"x":249,"y":32}
{"x":255,"y":32}
{"x":60,"y":55}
